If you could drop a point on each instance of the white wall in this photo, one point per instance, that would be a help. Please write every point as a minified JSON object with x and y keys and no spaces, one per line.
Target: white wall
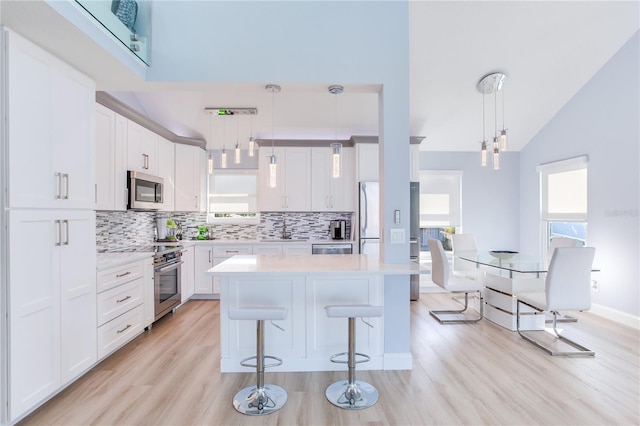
{"x":490,"y":198}
{"x":602,"y":121}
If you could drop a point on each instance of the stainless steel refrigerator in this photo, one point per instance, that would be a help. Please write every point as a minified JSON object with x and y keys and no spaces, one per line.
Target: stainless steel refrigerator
{"x":370,"y":225}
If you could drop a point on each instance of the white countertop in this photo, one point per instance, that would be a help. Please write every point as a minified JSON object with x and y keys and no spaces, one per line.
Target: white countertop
{"x":312,"y":264}
{"x":111,"y":260}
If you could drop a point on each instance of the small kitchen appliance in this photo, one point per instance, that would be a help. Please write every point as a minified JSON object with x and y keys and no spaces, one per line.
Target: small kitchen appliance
{"x":338,"y":229}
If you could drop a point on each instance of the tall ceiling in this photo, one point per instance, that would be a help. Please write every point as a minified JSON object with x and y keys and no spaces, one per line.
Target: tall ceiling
{"x":547,"y":49}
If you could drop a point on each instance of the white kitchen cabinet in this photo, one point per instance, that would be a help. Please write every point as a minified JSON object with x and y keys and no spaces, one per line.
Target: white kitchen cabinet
{"x":292,"y":249}
{"x":222,"y":252}
{"x":187,"y":285}
{"x":293,"y":188}
{"x":52,"y":315}
{"x":166,"y":167}
{"x":111,"y":160}
{"x":142,"y":149}
{"x":267,"y":248}
{"x":189,"y":179}
{"x":203,"y":260}
{"x":414,"y":167}
{"x":124,"y":304}
{"x":329,"y":193}
{"x":51,"y":133}
{"x":367,"y":162}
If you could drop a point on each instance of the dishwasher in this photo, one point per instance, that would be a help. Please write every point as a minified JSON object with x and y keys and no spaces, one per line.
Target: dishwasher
{"x":331,"y":248}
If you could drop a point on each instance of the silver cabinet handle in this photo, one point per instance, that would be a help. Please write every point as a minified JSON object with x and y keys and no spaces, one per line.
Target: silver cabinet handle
{"x":65,"y":176}
{"x":210,"y":256}
{"x":145,"y":164}
{"x":123,"y":275}
{"x":196,"y":202}
{"x":58,"y":185}
{"x":124,"y":329}
{"x":331,"y":198}
{"x":122,"y":300}
{"x":95,"y":193}
{"x":58,"y":233}
{"x":326,"y":201}
{"x":232,"y":251}
{"x":66,"y":231}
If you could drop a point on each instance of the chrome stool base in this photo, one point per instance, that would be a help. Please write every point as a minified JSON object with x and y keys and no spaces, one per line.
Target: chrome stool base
{"x":355,"y":396}
{"x":257,"y":402}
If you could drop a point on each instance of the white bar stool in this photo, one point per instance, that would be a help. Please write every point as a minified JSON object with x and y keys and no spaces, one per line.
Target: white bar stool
{"x":259,"y":399}
{"x":352,"y":394}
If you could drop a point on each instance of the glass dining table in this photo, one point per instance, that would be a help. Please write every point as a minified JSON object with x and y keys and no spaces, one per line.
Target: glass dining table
{"x":505,"y":276}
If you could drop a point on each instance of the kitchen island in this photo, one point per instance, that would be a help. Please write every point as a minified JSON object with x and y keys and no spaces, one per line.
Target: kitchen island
{"x":304,"y":285}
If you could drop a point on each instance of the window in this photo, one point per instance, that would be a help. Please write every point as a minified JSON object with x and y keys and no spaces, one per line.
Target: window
{"x":563,"y":199}
{"x":440,"y":206}
{"x":233,"y":196}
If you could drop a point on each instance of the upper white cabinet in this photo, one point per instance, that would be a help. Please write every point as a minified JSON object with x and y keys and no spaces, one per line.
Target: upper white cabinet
{"x":414,"y":167}
{"x":50,"y":117}
{"x":367,"y":164}
{"x":52,"y":316}
{"x":292,"y":191}
{"x":166,"y":166}
{"x":142,"y":149}
{"x":111,"y":160}
{"x":329,"y":193}
{"x":189,"y":176}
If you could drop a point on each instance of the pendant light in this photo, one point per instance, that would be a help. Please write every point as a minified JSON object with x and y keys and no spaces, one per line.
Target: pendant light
{"x":492,"y":83}
{"x":503,"y":132}
{"x":336,"y":147}
{"x":237,"y":155}
{"x":252,"y":143}
{"x":210,"y":157}
{"x":483,"y":151}
{"x":496,"y":142}
{"x":223,"y":155}
{"x":273,"y":165}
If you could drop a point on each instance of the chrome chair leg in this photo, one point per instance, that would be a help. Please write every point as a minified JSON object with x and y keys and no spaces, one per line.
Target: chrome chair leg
{"x":438,"y":313}
{"x":581,"y":350}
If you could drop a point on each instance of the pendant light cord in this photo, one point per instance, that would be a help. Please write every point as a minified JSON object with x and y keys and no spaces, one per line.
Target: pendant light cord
{"x":273,"y":113}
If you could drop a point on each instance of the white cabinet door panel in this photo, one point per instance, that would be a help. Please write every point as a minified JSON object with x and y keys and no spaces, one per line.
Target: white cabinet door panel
{"x":166,"y":168}
{"x":203,"y":262}
{"x":34,"y":321}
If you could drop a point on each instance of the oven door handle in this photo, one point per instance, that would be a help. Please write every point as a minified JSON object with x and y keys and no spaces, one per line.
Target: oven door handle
{"x":170,"y":267}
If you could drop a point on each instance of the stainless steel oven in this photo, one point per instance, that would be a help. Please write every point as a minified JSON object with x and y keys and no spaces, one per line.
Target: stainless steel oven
{"x":166,"y":280}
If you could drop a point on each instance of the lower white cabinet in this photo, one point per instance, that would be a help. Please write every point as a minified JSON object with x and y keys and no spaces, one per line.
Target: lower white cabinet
{"x":124,"y":304}
{"x":203,"y":284}
{"x":52,"y":315}
{"x":187,"y":285}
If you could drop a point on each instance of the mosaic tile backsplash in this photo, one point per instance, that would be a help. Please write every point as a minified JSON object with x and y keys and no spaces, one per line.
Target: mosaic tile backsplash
{"x":115,"y":230}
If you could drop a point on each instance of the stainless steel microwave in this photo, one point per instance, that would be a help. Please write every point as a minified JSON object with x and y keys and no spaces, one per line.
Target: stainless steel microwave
{"x":145,"y":191}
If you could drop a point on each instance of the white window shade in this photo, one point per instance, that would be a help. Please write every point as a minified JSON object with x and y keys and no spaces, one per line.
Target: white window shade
{"x":233,"y":191}
{"x":440,"y":198}
{"x":563,"y":190}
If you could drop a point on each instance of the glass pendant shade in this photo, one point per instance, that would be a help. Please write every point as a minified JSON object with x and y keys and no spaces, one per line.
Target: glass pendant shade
{"x":273,"y":171}
{"x":336,"y":159}
{"x":483,"y":154}
{"x":223,"y":159}
{"x":237,"y":155}
{"x":252,"y":147}
{"x":496,"y":159}
{"x":503,"y":140}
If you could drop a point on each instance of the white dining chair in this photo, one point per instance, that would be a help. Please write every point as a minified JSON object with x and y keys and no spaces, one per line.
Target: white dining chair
{"x":461,"y":267}
{"x":561,"y":242}
{"x":440,"y":275}
{"x":567,"y":288}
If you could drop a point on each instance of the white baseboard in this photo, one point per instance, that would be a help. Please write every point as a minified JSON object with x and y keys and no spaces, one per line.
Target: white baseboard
{"x":616,"y":315}
{"x":398,"y":361}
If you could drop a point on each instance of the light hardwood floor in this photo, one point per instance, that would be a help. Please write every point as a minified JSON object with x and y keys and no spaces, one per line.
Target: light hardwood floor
{"x":463,"y":374}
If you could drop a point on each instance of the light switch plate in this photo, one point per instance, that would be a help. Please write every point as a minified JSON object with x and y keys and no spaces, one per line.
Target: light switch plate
{"x":397,"y":236}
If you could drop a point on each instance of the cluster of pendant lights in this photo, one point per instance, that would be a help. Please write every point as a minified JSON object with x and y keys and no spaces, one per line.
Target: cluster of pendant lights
{"x":492,"y":84}
{"x":336,"y":147}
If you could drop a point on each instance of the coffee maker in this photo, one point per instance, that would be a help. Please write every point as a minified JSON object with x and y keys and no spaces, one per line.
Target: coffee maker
{"x":338,"y":229}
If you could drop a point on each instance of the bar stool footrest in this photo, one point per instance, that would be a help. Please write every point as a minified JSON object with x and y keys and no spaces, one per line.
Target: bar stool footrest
{"x":245,"y":363}
{"x":333,"y":358}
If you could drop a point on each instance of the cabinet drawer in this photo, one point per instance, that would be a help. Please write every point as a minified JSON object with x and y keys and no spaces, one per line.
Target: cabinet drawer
{"x":113,"y":277}
{"x":231,"y":250}
{"x":119,"y":300}
{"x":116,"y":333}
{"x":294,"y":249}
{"x":266,"y":248}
